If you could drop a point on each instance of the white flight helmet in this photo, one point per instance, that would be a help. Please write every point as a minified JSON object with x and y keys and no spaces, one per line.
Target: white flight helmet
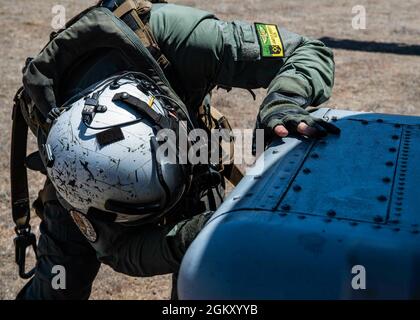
{"x":100,"y":152}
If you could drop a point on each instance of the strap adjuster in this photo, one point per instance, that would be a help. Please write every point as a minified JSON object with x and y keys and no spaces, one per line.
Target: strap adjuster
{"x":24,"y":239}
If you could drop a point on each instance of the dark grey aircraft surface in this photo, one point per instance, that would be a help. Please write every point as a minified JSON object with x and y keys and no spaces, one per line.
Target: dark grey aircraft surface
{"x":336,"y":218}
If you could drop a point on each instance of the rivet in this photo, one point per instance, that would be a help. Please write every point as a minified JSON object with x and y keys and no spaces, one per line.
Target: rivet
{"x":257,"y":177}
{"x":392,"y":149}
{"x":302,"y":217}
{"x":315,"y":156}
{"x":353,"y":224}
{"x":378,"y":219}
{"x":396,"y":229}
{"x":365,"y":122}
{"x":380,"y":120}
{"x":331,"y":213}
{"x":415,"y":231}
{"x":286,"y":207}
{"x":395,"y":137}
{"x":382,"y":198}
{"x":397,"y":126}
{"x":306,"y":171}
{"x":386,"y":180}
{"x":275,"y":151}
{"x":390,"y":163}
{"x":297,"y":188}
{"x":124,"y":95}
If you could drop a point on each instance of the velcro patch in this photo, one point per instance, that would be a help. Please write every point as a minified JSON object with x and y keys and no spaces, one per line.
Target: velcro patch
{"x":270,"y":40}
{"x":109,"y":136}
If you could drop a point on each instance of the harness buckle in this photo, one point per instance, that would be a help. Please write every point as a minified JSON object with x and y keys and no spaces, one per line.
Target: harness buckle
{"x":24,"y":239}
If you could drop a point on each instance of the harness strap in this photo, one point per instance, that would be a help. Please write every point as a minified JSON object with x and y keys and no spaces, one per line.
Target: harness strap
{"x":135,"y":13}
{"x":21,"y":212}
{"x":214,"y":119}
{"x":18,"y":171}
{"x":145,"y":109}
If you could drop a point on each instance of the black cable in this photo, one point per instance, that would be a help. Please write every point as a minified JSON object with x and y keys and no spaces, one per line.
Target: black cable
{"x":179,"y":107}
{"x":124,"y":124}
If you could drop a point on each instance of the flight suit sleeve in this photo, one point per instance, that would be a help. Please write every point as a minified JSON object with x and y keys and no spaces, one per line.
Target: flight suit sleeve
{"x":206,"y":52}
{"x":303,"y":75}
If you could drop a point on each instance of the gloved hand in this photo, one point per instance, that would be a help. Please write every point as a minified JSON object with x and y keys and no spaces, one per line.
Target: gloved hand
{"x":291,"y":119}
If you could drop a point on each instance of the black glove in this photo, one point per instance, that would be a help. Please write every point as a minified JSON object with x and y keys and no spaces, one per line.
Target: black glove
{"x":290,"y":116}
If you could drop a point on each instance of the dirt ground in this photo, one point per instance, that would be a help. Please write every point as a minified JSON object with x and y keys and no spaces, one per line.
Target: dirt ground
{"x":365,"y":80}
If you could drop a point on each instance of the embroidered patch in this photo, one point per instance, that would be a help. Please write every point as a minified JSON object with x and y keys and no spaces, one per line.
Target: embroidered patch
{"x":270,"y":40}
{"x":84,"y":225}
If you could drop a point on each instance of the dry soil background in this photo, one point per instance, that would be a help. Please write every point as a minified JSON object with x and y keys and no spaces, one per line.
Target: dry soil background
{"x":370,"y":81}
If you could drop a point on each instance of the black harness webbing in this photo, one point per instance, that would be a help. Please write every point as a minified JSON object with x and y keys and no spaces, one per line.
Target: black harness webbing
{"x":19,"y":188}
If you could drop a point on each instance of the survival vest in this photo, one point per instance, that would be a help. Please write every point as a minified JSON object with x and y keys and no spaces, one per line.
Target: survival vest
{"x":120,"y":29}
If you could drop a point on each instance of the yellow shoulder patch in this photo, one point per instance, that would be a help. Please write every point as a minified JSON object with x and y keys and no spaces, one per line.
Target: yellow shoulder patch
{"x":270,"y":40}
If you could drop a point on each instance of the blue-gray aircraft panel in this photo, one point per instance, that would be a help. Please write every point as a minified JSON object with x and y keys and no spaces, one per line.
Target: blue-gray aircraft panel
{"x":313,"y":214}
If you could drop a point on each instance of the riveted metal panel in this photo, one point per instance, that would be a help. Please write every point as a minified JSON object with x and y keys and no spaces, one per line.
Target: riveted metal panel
{"x":356,"y":203}
{"x":270,"y":177}
{"x":349,"y":176}
{"x":405,"y":205}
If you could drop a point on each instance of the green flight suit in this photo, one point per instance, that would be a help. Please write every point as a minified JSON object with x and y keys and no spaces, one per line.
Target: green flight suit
{"x":204,"y":52}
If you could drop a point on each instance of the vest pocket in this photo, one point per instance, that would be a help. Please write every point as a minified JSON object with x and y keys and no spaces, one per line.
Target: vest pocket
{"x":241,"y":39}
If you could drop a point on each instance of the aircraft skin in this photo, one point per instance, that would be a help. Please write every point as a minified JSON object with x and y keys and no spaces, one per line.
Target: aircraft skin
{"x":336,"y":218}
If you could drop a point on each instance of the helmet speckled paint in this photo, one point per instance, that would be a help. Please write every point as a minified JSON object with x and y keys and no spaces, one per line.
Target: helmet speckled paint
{"x":312,"y":212}
{"x":87,"y":174}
